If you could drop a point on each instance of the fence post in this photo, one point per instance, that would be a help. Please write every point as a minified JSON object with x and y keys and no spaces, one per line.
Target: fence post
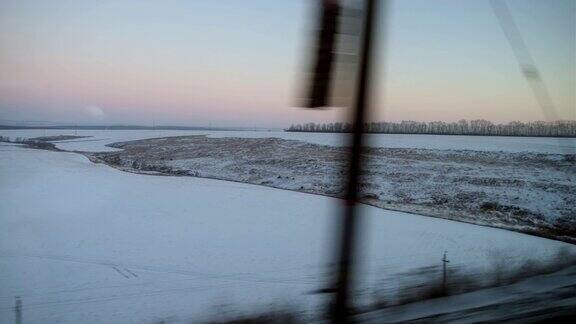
{"x":444,"y":284}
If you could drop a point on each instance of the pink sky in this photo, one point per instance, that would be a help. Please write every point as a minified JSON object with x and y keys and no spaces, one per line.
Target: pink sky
{"x":194,"y":63}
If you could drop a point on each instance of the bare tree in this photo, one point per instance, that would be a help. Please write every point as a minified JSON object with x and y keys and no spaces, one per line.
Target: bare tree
{"x":560,"y":128}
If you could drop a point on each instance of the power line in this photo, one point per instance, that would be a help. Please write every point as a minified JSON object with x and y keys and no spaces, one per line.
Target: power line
{"x":524,"y":58}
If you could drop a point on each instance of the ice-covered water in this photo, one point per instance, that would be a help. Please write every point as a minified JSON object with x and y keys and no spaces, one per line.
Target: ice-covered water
{"x":100,"y":138}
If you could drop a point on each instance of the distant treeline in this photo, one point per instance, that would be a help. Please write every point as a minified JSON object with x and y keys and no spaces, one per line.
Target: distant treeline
{"x":561,"y":128}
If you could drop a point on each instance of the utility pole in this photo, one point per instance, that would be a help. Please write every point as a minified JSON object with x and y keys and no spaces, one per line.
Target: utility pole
{"x":18,"y":311}
{"x":444,"y":282}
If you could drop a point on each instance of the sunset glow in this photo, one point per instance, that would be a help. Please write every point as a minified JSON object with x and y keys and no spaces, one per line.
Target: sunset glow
{"x":236,"y":63}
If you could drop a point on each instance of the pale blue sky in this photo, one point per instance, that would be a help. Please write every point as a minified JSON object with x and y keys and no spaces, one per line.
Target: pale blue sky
{"x":240,"y":62}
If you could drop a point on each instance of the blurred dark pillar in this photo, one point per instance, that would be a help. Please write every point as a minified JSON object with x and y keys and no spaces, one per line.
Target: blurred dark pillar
{"x":323,"y":69}
{"x":342,"y":307}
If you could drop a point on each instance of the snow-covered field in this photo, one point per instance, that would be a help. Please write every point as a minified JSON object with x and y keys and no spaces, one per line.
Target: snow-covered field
{"x":83,"y":242}
{"x":100,"y":138}
{"x":533,"y":193}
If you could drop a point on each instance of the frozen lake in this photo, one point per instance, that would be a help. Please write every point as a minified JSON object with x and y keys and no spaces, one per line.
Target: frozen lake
{"x":82,"y":242}
{"x":100,"y":138}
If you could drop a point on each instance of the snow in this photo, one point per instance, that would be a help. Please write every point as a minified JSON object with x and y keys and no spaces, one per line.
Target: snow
{"x":83,"y":242}
{"x":524,"y":191}
{"x":101,"y":138}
